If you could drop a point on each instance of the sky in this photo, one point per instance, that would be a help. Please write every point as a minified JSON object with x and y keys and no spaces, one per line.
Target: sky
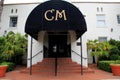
{"x":27,"y":1}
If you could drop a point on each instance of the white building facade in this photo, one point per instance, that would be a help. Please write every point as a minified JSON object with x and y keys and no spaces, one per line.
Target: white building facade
{"x":102,"y":19}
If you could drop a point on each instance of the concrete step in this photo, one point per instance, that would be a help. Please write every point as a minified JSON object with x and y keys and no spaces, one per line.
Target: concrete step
{"x":65,"y":66}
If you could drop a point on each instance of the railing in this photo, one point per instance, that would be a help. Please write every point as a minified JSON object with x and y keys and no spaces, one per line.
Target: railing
{"x":31,"y":60}
{"x":81,"y":60}
{"x":35,"y":55}
{"x":79,"y":55}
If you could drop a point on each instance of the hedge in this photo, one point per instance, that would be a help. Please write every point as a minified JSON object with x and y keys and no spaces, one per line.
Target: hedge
{"x":105,"y":65}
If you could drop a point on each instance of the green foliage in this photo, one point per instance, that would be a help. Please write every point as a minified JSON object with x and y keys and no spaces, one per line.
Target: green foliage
{"x":118,"y":43}
{"x":2,"y":43}
{"x":10,"y":65}
{"x":118,"y":57}
{"x":13,"y":46}
{"x":99,"y":49}
{"x":114,"y":57}
{"x":105,"y":65}
{"x":115,"y":51}
{"x":112,"y":42}
{"x":103,"y":58}
{"x":104,"y":50}
{"x":117,"y":61}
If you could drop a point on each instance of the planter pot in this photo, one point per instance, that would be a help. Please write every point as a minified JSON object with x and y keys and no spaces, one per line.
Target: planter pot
{"x":3,"y":69}
{"x":115,"y":69}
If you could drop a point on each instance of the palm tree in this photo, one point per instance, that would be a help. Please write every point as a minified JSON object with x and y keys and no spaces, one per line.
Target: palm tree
{"x":91,"y":46}
{"x":98,"y":49}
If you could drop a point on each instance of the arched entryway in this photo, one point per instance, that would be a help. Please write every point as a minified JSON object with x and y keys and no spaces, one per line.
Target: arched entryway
{"x":56,"y":18}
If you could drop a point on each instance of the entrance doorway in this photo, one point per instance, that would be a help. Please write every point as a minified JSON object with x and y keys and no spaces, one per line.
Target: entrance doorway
{"x":57,"y":46}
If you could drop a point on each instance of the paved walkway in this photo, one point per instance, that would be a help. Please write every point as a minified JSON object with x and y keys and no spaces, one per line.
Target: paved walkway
{"x":98,"y":75}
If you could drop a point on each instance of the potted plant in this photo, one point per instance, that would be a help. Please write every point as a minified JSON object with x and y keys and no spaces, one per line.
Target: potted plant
{"x":6,"y":67}
{"x":3,"y":69}
{"x":115,"y":67}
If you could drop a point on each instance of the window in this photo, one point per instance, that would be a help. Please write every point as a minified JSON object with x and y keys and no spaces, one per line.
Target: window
{"x":13,"y":21}
{"x":11,"y":10}
{"x":118,"y":19}
{"x":97,"y":9}
{"x":102,"y":39}
{"x":101,"y":21}
{"x":101,"y":9}
{"x":16,"y":10}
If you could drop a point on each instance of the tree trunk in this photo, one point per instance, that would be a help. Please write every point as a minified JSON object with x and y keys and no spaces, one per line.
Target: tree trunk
{"x":94,"y":60}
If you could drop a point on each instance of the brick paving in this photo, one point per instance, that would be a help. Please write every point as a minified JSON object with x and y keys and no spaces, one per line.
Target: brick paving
{"x":97,"y":75}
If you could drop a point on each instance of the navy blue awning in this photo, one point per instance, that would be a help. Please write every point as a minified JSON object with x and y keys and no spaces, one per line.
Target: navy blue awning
{"x":55,"y":15}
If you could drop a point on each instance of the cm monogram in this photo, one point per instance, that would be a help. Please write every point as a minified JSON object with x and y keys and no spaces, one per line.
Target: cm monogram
{"x":58,"y":15}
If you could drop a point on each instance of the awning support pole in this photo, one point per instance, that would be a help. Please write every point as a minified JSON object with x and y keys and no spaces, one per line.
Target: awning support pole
{"x":31,"y":57}
{"x":81,"y":56}
{"x":56,"y":61}
{"x":56,"y":64}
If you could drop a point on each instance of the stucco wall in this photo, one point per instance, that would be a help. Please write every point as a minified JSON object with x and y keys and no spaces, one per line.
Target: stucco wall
{"x":37,"y":46}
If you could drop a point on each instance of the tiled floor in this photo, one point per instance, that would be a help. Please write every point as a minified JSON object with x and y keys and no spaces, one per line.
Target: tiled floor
{"x":98,"y":75}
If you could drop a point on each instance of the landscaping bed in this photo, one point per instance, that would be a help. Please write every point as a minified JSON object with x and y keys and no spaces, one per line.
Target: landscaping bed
{"x":105,"y":65}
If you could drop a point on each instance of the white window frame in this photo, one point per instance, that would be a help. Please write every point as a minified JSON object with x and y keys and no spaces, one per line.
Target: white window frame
{"x":118,"y":19}
{"x":103,"y":39}
{"x":100,"y":20}
{"x":11,"y":24}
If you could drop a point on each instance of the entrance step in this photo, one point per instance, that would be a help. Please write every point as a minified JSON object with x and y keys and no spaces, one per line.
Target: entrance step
{"x":64,"y":66}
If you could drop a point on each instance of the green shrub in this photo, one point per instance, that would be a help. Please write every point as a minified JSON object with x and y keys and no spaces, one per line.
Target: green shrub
{"x":103,"y":58}
{"x":117,"y":61}
{"x":116,"y":47}
{"x":105,"y":65}
{"x":17,"y":58}
{"x":12,"y":47}
{"x":114,"y":53}
{"x":118,"y":43}
{"x":1,"y":58}
{"x":114,"y":50}
{"x":114,"y":57}
{"x":10,"y":65}
{"x":118,"y":57}
{"x":112,"y":42}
